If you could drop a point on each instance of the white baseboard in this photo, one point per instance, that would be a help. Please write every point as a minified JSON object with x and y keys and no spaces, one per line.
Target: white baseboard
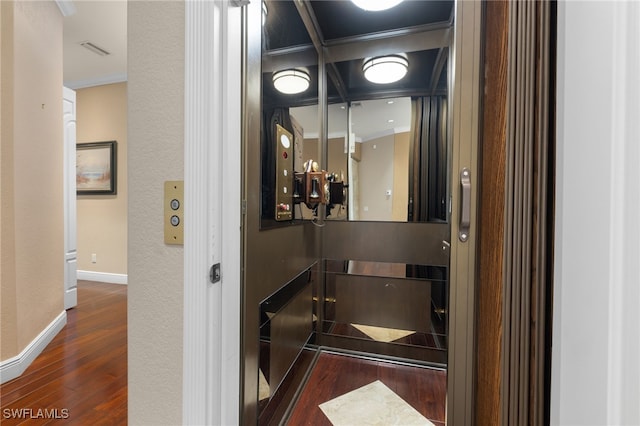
{"x":14,"y":367}
{"x":104,"y":277}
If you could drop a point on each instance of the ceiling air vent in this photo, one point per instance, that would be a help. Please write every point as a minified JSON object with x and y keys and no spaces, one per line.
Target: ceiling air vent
{"x":95,"y":49}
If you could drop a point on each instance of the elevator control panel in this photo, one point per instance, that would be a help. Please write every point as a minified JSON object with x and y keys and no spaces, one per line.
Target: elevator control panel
{"x":284,"y":174}
{"x":174,"y":212}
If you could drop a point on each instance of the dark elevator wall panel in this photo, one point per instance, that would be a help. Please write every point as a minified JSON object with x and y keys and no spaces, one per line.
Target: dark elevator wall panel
{"x":290,"y":330}
{"x":271,"y":257}
{"x":274,"y":257}
{"x":411,"y":243}
{"x":279,"y":255}
{"x":383,"y":302}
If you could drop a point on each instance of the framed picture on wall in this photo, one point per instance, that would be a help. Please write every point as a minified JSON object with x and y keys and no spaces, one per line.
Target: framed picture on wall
{"x":96,"y":168}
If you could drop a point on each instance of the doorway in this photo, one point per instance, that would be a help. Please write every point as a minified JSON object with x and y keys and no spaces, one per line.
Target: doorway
{"x":324,"y":271}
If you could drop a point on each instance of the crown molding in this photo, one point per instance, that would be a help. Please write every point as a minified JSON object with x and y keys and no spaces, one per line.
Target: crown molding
{"x":97,"y":81}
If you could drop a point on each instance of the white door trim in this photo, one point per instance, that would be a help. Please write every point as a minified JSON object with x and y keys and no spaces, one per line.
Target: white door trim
{"x":70,"y":209}
{"x":211,"y":364}
{"x":597,"y":236}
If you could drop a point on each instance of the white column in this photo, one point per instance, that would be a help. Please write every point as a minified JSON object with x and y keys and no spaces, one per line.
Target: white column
{"x":596,"y":337}
{"x":212,"y":215}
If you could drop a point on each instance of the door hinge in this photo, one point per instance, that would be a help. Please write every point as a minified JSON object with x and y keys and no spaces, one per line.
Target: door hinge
{"x":214,"y":273}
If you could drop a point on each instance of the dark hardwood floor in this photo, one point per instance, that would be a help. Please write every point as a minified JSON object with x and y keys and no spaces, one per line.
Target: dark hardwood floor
{"x":81,"y":376}
{"x":333,"y":375}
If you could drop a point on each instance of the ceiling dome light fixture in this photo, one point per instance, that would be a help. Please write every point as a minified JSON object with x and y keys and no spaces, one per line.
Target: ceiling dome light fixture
{"x":291,"y":81}
{"x":376,"y":5}
{"x":385,"y":69}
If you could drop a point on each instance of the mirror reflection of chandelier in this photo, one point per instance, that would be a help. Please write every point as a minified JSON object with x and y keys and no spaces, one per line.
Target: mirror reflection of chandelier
{"x":376,"y":5}
{"x":385,"y":69}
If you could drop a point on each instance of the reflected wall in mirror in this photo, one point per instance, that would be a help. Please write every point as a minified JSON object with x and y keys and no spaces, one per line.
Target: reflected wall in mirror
{"x":392,"y":153}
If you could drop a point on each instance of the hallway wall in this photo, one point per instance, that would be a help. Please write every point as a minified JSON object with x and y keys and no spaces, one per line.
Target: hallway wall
{"x":102,"y":219}
{"x":31,"y":213}
{"x":156,"y":154}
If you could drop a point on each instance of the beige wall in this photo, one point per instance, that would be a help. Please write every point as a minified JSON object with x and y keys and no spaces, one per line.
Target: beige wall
{"x":376,"y":177}
{"x":8,"y":329}
{"x":400,"y":195}
{"x":102,"y":219}
{"x":382,"y":168}
{"x":32,"y":248}
{"x":156,"y":154}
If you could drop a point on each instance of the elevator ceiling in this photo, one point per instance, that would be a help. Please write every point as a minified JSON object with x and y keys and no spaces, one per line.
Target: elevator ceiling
{"x":346,"y":35}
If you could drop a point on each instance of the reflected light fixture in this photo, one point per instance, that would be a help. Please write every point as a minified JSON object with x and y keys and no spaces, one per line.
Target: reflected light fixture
{"x":385,"y":69}
{"x":376,"y":5}
{"x":291,"y":81}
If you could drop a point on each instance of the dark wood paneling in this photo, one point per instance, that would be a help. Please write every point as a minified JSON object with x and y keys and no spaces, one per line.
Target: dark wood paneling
{"x":84,"y":368}
{"x":491,"y":216}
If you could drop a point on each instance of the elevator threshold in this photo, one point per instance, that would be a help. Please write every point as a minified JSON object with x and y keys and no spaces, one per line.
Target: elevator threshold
{"x":347,"y":388}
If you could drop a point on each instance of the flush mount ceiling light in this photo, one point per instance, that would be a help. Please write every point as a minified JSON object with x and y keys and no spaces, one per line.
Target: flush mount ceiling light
{"x":291,"y":81}
{"x":376,"y":5}
{"x":385,"y":69}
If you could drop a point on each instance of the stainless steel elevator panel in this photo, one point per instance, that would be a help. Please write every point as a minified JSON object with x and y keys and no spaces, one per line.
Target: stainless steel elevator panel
{"x":413,"y":243}
{"x":290,"y":331}
{"x":273,"y":257}
{"x":383,"y":302}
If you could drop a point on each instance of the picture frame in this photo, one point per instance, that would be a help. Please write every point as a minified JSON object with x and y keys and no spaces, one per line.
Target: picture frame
{"x":96,"y":168}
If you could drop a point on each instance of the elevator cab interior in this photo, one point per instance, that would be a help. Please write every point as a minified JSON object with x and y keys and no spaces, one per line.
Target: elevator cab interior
{"x":348,"y":191}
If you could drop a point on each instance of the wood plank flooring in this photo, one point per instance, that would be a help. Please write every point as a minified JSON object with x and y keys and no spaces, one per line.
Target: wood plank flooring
{"x":334,"y":375}
{"x":82,"y":373}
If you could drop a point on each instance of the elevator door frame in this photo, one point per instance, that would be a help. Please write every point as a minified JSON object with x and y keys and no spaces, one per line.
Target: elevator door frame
{"x":464,"y":113}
